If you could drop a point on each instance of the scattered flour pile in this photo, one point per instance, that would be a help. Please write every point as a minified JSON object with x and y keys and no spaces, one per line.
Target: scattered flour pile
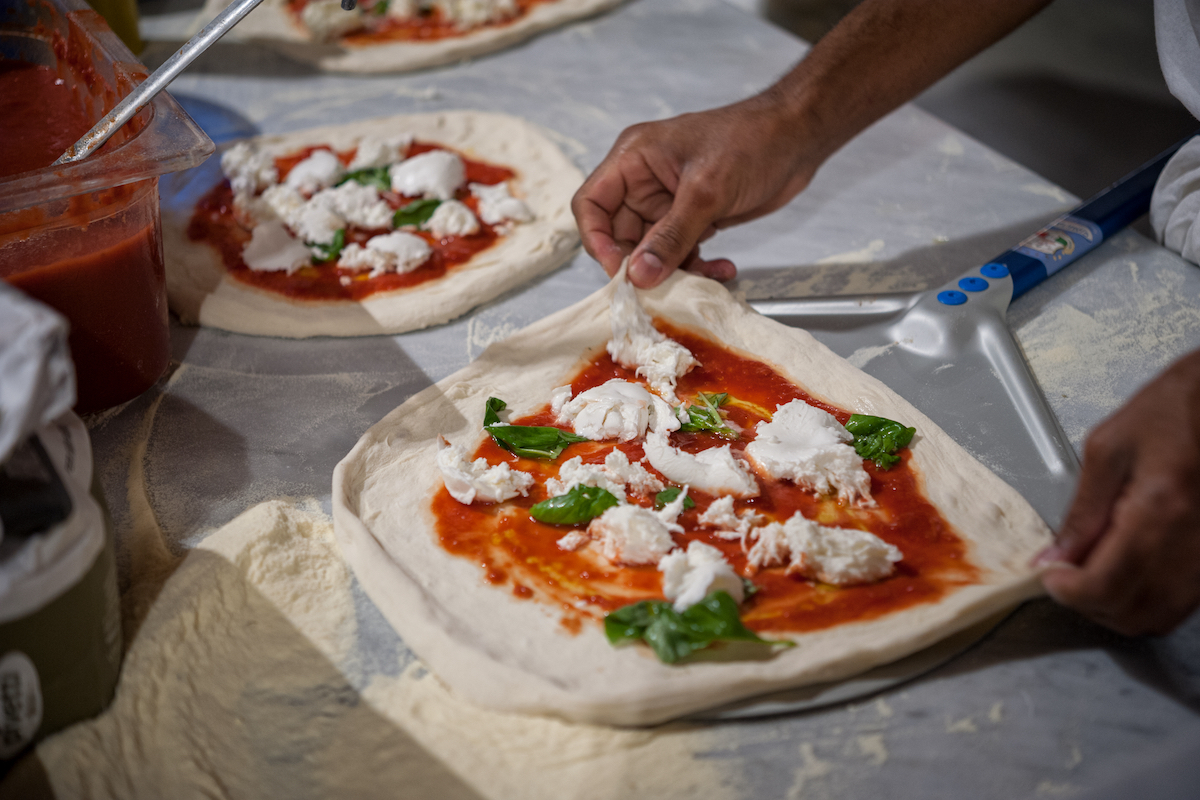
{"x":232,"y":689}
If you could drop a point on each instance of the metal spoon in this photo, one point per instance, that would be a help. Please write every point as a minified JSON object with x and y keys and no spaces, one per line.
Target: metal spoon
{"x":159,"y":79}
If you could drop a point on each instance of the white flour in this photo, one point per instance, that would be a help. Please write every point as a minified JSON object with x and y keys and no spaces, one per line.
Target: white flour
{"x":235,"y":687}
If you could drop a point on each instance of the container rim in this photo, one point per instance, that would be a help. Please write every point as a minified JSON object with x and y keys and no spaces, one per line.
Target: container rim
{"x":171,"y":140}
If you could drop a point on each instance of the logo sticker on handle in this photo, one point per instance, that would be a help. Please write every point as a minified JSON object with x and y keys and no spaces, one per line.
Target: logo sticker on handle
{"x":1061,"y":242}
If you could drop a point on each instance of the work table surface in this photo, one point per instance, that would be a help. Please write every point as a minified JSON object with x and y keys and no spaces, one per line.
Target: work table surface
{"x":1046,"y":704}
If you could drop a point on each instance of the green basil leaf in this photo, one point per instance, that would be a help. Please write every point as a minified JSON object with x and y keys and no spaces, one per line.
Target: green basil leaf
{"x":878,"y":438}
{"x":674,"y":635}
{"x":491,"y":412}
{"x":381,"y":7}
{"x":370,"y":176}
{"x":329,"y":252}
{"x":415,"y":213}
{"x":580,"y":504}
{"x":533,"y":441}
{"x":706,"y":416}
{"x":749,"y":587}
{"x":668,"y":495}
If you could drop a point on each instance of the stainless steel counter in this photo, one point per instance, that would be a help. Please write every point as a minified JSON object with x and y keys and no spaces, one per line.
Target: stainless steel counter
{"x":1046,"y":705}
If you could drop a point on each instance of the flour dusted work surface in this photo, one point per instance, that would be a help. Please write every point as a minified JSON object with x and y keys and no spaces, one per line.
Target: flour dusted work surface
{"x":400,"y":35}
{"x":521,"y":627}
{"x":378,"y":226}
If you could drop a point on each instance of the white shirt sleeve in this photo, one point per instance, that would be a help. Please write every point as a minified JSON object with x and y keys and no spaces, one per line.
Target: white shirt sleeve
{"x":1175,"y":205}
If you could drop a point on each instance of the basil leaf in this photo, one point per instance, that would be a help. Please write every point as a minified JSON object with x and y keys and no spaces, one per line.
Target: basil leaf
{"x":749,"y":587}
{"x":415,"y":213}
{"x":533,"y":441}
{"x":668,"y":495}
{"x":491,"y":412}
{"x":329,"y":252}
{"x":381,"y":7}
{"x":706,"y":416}
{"x":370,"y":176}
{"x":877,"y":438}
{"x":580,"y":504}
{"x":674,"y":635}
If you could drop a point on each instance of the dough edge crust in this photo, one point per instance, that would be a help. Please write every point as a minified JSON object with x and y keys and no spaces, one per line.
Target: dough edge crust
{"x":513,"y":655}
{"x":201,"y":292}
{"x":272,"y":26}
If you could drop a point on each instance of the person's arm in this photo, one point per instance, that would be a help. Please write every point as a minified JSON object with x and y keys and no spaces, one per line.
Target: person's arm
{"x":666,"y":186}
{"x":1128,"y":554}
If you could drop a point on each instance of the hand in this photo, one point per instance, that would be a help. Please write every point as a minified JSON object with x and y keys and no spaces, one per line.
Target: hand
{"x":667,"y":186}
{"x":1128,"y":554}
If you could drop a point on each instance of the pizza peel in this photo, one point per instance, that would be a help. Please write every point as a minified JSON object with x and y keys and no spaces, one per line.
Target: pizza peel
{"x":949,"y":351}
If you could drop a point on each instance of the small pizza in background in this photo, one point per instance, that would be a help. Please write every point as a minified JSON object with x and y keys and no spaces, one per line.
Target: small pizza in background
{"x":382,"y":226}
{"x":653,"y":503}
{"x":398,"y":35}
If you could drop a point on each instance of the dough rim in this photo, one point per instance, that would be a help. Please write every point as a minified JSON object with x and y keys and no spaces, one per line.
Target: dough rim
{"x":201,"y":292}
{"x":513,"y":655}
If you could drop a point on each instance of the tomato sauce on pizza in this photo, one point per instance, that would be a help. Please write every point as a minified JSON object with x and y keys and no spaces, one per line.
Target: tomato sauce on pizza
{"x":514,"y":549}
{"x":214,"y":222}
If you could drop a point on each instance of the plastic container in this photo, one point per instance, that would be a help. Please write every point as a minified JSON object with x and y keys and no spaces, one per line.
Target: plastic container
{"x":86,"y":238}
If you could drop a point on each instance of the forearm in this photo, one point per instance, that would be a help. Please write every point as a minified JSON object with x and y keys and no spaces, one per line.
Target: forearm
{"x":880,"y":56}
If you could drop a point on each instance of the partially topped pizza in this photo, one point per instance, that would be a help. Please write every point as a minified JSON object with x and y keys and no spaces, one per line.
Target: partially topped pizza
{"x":372,"y":215}
{"x":700,"y":505}
{"x":392,"y":35}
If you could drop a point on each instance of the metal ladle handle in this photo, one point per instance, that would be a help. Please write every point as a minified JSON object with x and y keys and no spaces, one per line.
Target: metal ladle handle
{"x":159,"y":79}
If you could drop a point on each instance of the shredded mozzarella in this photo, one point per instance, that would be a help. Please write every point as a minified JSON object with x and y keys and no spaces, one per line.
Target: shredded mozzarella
{"x":838,"y":556}
{"x":470,"y":480}
{"x":636,"y":344}
{"x":688,"y":576}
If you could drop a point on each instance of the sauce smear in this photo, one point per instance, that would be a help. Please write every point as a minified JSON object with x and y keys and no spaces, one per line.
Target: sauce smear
{"x":214,"y":222}
{"x":511,"y":547}
{"x":39,"y":117}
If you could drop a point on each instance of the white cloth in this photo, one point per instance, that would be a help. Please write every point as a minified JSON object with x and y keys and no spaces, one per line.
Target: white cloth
{"x":1175,"y":206}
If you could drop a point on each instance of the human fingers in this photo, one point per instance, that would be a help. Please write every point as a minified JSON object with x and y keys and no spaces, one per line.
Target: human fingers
{"x":719,"y":269}
{"x":594,"y":206}
{"x":669,"y":241}
{"x":1143,"y":576}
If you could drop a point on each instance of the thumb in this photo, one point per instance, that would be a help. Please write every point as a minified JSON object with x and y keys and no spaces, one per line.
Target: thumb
{"x":670,"y":240}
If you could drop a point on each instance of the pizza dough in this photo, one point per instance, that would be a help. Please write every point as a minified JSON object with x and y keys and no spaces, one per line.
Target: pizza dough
{"x":201,"y":292}
{"x":272,"y":25}
{"x":510,"y":654}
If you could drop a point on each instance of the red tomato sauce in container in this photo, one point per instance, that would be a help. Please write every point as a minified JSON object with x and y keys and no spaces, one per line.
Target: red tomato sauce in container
{"x":86,"y":238}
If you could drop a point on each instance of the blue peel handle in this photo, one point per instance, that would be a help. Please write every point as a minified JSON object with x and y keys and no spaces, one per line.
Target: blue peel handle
{"x":1084,"y":228}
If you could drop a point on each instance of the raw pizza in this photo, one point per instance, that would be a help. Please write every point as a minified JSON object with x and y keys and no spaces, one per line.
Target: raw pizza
{"x":382,"y":226}
{"x":654,"y":503}
{"x":398,"y":35}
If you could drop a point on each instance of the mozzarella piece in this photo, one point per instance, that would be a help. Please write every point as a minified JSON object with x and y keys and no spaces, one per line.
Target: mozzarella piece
{"x":839,"y":556}
{"x":466,"y":14}
{"x":248,"y":169}
{"x":402,"y":9}
{"x":357,"y":204}
{"x":572,"y":541}
{"x":437,"y":173}
{"x":373,"y":152}
{"x":689,"y":576}
{"x":470,"y":480}
{"x":452,"y":218}
{"x":393,"y":252}
{"x":715,"y":471}
{"x":272,"y":249}
{"x":614,"y":410}
{"x":810,"y":447}
{"x":326,"y":20}
{"x":315,"y":223}
{"x":613,"y":476}
{"x":669,"y":514}
{"x":279,"y":202}
{"x":636,"y":344}
{"x":630,"y":534}
{"x":319,"y":170}
{"x":496,"y":204}
{"x":729,"y":525}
